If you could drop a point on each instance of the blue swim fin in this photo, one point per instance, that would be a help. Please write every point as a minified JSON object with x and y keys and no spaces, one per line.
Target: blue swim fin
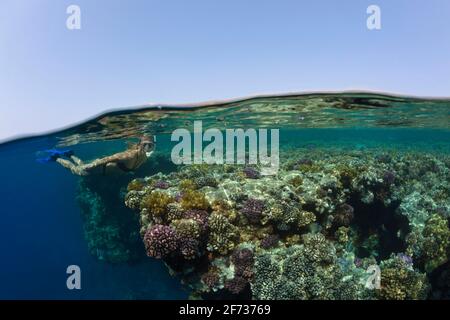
{"x":55,"y":154}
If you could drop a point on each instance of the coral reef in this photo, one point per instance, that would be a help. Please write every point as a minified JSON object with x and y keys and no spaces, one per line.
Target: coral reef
{"x":311,"y":232}
{"x":110,"y":234}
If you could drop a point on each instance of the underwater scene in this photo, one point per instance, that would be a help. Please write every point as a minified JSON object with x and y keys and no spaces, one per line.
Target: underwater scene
{"x":330,"y":196}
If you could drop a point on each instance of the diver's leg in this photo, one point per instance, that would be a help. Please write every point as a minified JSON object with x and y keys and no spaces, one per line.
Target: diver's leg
{"x":77,"y":160}
{"x":66,"y":163}
{"x":75,"y":169}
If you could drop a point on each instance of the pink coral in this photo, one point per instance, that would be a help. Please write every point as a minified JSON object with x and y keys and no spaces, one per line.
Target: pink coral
{"x":253,"y":209}
{"x":160,"y":241}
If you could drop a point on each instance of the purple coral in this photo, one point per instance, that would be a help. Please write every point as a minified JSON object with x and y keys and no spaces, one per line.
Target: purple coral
{"x":189,"y":248}
{"x":210,"y":279}
{"x":358,"y":262}
{"x":270,"y":241}
{"x":389,"y":177}
{"x":253,"y":209}
{"x":305,"y":162}
{"x":199,"y":216}
{"x":243,"y":263}
{"x":236,"y":285}
{"x":160,"y":241}
{"x":251,"y":173}
{"x":161,"y":185}
{"x":179,"y":196}
{"x":405,"y":258}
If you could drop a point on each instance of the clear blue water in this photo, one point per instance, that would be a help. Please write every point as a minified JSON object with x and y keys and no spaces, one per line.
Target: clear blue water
{"x":41,"y":229}
{"x":41,"y":233}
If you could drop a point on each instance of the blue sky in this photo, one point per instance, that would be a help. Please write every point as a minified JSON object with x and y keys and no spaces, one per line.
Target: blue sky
{"x":135,"y":52}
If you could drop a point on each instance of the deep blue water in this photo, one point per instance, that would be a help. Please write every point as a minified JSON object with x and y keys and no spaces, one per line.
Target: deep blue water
{"x":41,"y":233}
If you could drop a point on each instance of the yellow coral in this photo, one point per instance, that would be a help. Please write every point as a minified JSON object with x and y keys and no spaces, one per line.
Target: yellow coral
{"x":156,"y":204}
{"x":193,"y":199}
{"x":135,"y":185}
{"x":305,"y":218}
{"x":187,"y":184}
{"x":436,"y":243}
{"x":296,"y":181}
{"x":186,"y":228}
{"x":341,"y":235}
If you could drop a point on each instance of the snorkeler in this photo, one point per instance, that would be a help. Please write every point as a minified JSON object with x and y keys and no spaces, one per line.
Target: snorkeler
{"x":125,"y":161}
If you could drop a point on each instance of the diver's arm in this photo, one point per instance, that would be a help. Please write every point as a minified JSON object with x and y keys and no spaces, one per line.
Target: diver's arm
{"x":121,"y":156}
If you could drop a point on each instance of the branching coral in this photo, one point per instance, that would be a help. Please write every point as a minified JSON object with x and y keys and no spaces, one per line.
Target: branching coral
{"x":160,"y":241}
{"x":308,"y":271}
{"x":135,"y":185}
{"x":399,"y":281}
{"x":156,"y":205}
{"x":432,"y":246}
{"x":251,"y":173}
{"x":236,"y":285}
{"x":286,"y":214}
{"x":242,"y":260}
{"x":192,"y":199}
{"x":187,"y":228}
{"x":189,"y":248}
{"x":199,"y":216}
{"x":211,"y":278}
{"x":222,"y":234}
{"x":270,"y":241}
{"x":161,"y":184}
{"x":253,"y":209}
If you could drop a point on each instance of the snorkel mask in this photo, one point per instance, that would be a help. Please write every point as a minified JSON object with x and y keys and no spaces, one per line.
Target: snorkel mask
{"x":148,"y":144}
